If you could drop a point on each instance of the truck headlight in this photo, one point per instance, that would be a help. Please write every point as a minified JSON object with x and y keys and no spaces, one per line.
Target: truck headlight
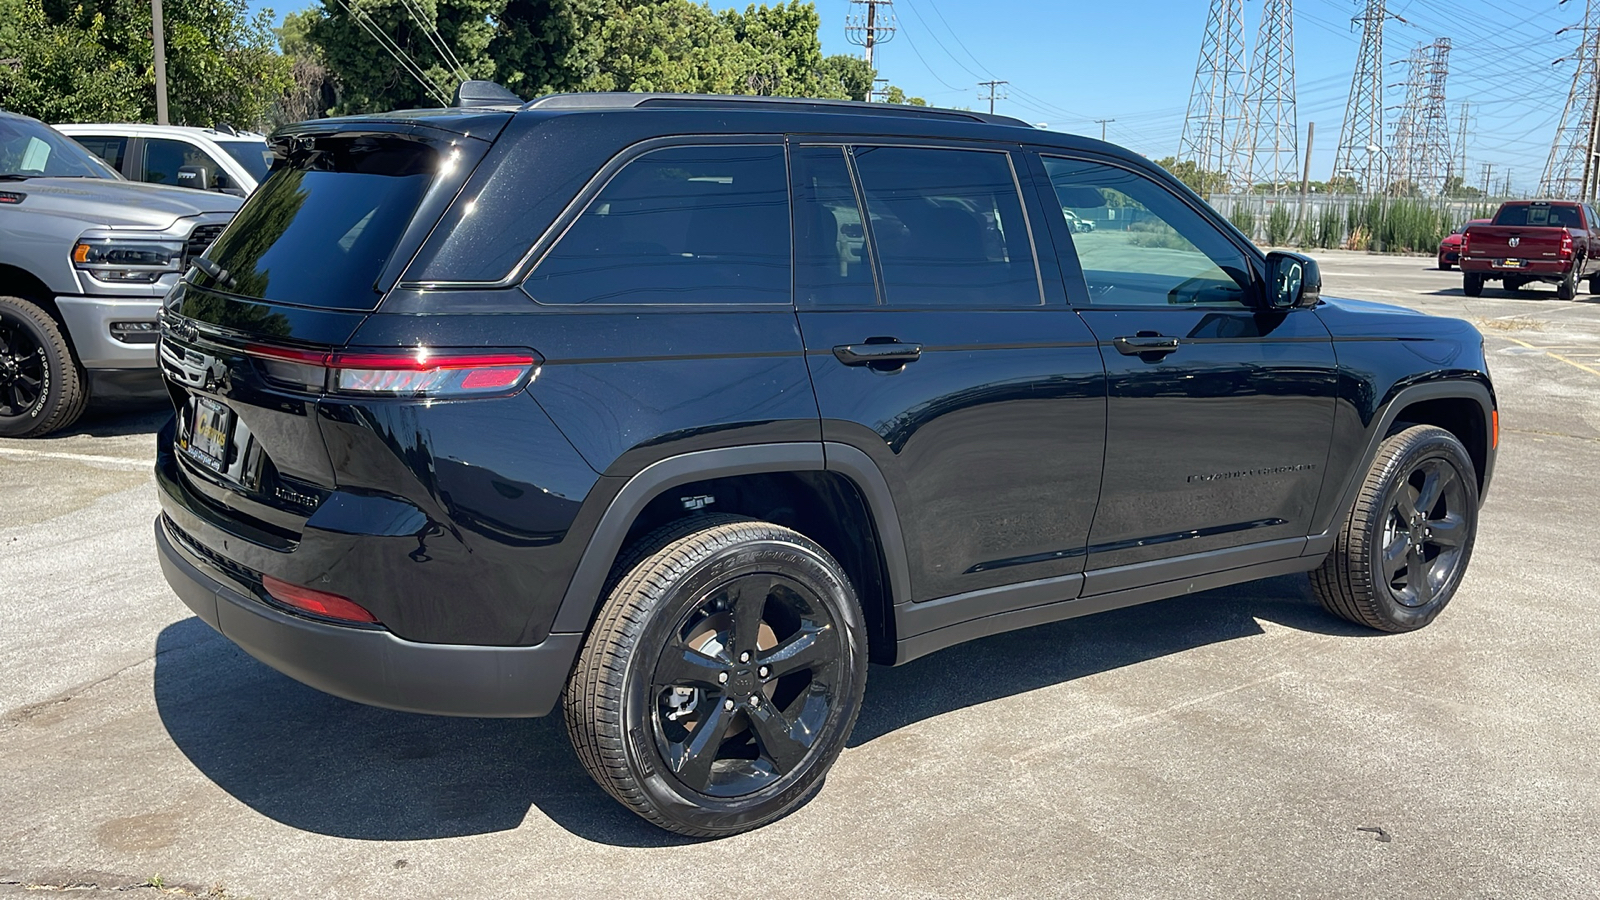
{"x":127,"y":260}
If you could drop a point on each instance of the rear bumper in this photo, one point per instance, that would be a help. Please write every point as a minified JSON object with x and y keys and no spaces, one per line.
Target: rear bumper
{"x":369,"y":665}
{"x":1535,"y":269}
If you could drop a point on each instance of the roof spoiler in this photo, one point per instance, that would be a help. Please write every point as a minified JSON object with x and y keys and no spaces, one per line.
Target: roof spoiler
{"x":484,"y":93}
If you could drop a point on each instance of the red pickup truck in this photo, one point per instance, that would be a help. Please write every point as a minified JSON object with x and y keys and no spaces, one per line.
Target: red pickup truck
{"x":1534,"y":240}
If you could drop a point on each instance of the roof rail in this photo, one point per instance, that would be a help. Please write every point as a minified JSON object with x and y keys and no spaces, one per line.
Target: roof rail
{"x":627,"y":100}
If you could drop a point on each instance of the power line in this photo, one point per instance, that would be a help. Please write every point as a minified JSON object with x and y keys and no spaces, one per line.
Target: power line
{"x":871,"y":27}
{"x":394,"y":49}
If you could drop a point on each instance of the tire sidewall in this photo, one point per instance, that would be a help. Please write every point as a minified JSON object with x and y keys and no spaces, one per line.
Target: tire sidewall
{"x":54,"y":371}
{"x":1433,"y":445}
{"x":729,"y":815}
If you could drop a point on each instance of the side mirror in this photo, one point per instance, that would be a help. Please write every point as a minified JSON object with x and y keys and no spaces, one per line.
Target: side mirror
{"x":197,"y":177}
{"x":1293,"y":281}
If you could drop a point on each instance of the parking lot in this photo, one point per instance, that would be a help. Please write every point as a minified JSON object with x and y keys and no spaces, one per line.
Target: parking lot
{"x":1240,"y":742}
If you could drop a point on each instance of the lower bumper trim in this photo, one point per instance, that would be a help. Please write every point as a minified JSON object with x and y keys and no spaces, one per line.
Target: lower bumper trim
{"x":375,"y":667}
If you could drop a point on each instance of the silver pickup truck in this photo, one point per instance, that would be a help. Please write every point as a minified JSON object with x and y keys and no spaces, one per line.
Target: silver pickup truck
{"x":85,"y":258}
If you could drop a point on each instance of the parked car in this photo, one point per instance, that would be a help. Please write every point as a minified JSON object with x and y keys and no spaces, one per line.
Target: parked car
{"x":611,"y":399}
{"x":1552,"y":241}
{"x":85,"y":258}
{"x":220,"y":159}
{"x":1076,"y":222}
{"x":1450,"y":247}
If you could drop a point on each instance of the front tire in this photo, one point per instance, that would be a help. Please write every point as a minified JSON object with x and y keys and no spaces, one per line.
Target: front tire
{"x":1406,"y":544}
{"x":42,"y":387}
{"x":1472,"y":285}
{"x":722,"y":678}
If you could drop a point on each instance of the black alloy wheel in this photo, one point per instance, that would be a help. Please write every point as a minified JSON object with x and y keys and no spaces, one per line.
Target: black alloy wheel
{"x":722,"y":678}
{"x":1425,"y":532}
{"x":1404,"y":549}
{"x":42,"y":387}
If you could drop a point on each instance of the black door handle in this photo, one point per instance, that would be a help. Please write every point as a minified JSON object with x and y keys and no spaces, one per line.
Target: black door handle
{"x":1140,"y":344}
{"x":886,"y":354}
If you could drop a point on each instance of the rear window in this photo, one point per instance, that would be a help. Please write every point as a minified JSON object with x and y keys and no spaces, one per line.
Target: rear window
{"x":321,"y":229}
{"x":1540,"y":215}
{"x":255,"y":156}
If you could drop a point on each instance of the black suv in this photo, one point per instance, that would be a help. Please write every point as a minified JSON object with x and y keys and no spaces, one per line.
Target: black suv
{"x":683,"y":409}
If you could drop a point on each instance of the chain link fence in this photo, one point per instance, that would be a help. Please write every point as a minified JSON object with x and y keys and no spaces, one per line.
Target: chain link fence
{"x":1350,"y":221}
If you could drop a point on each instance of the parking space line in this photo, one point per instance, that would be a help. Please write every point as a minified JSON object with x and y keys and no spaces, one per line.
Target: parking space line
{"x":79,"y":457}
{"x":1576,"y":365}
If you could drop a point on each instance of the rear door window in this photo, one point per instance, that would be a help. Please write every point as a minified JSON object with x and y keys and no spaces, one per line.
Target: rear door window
{"x":679,"y":225}
{"x":163,"y":158}
{"x":109,"y":148}
{"x":948,"y":227}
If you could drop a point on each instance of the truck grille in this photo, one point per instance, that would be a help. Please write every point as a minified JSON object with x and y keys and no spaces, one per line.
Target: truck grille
{"x":200,"y":240}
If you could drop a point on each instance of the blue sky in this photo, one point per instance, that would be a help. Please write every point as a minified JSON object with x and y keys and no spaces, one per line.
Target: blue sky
{"x":1073,"y":61}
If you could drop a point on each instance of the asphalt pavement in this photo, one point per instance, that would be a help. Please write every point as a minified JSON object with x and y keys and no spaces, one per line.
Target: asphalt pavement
{"x":1236,"y":743}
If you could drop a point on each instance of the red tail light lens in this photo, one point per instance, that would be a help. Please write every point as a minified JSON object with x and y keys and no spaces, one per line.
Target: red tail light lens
{"x":424,"y":372}
{"x":1466,"y":243}
{"x":318,"y":603}
{"x":1566,"y":246}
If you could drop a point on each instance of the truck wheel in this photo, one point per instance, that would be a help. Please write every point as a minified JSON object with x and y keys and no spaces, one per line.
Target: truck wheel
{"x":1568,"y":288}
{"x":1402,"y":552}
{"x":1472,"y":285}
{"x":722,"y":677}
{"x":42,"y":387}
{"x":1594,"y":283}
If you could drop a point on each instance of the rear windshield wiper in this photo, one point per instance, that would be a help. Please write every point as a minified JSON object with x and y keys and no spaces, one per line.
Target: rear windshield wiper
{"x":213,"y":271}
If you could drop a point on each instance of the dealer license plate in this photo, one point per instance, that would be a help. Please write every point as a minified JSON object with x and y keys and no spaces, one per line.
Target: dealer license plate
{"x":210,"y":429}
{"x":1510,"y":263}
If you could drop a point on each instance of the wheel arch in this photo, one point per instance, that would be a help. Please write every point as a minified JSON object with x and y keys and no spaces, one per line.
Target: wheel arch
{"x":837,"y":497}
{"x":19,"y":282}
{"x":1465,"y":408}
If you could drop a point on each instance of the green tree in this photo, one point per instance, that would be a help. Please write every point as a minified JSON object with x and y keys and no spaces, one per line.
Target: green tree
{"x":547,"y":46}
{"x":779,"y":51}
{"x":62,"y":72}
{"x":844,"y":77}
{"x":1201,"y":181}
{"x":372,"y":78}
{"x":896,"y":95}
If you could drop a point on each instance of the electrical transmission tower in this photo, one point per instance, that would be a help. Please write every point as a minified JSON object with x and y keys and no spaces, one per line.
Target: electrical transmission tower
{"x":1570,"y":173}
{"x":870,"y":27}
{"x":1360,"y":154}
{"x":1408,"y":145}
{"x":1273,"y":156}
{"x":1437,"y":151}
{"x":1216,"y":101}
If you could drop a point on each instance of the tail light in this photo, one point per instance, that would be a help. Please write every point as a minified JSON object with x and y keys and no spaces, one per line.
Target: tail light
{"x":318,"y":603}
{"x":1466,"y":242}
{"x":1566,"y":246}
{"x":424,"y":372}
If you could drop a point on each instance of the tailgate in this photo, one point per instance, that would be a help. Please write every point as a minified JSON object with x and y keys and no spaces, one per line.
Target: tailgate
{"x":1514,"y":242}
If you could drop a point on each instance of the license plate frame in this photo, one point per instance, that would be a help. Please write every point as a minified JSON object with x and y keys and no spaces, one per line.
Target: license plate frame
{"x":1511,"y":263}
{"x":210,"y":434}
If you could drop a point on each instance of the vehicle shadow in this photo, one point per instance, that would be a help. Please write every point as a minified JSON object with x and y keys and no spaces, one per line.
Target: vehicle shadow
{"x":321,"y":764}
{"x":117,"y":417}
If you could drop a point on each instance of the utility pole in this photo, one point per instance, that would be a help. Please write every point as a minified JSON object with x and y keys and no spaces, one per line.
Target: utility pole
{"x":1305,"y":173}
{"x":159,"y":37}
{"x":1488,"y":173}
{"x":992,"y":85}
{"x":874,"y":92}
{"x":1570,"y":172}
{"x":1217,"y":111}
{"x":1271,"y":145}
{"x":1361,"y":138}
{"x":870,"y":27}
{"x":1101,"y":123}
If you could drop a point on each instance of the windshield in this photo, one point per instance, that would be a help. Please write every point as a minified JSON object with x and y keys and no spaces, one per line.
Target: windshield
{"x":32,"y":149}
{"x":255,"y":156}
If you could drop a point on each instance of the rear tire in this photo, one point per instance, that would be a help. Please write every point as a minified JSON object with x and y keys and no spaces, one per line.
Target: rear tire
{"x":1406,"y":543}
{"x":1594,"y":283}
{"x":1567,"y":289}
{"x":742,"y":631}
{"x":42,"y":387}
{"x":1472,"y":285}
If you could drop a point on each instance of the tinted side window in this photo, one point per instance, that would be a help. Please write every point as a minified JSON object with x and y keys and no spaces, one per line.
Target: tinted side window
{"x":678,"y":225}
{"x":833,"y":265}
{"x":110,"y":149}
{"x":1147,"y":247}
{"x":948,"y":227}
{"x":163,"y":158}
